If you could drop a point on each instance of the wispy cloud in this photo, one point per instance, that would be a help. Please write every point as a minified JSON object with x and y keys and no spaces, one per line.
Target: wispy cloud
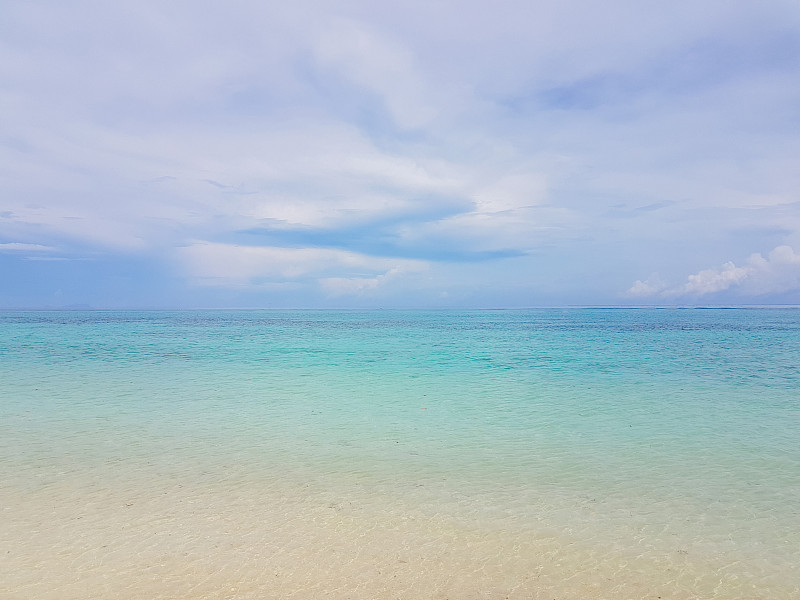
{"x":22,"y":247}
{"x":236,"y":266}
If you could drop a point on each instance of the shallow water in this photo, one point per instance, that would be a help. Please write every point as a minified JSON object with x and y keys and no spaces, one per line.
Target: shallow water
{"x":387,"y":454}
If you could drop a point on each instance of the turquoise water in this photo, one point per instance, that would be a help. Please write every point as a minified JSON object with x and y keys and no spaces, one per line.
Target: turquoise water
{"x":648,"y":446}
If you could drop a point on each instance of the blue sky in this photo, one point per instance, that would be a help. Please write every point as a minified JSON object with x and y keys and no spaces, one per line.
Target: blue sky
{"x":423,"y":154}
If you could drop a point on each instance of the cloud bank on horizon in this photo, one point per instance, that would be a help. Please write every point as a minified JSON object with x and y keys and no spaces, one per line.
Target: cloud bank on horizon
{"x":424,"y":154}
{"x":779,"y":272}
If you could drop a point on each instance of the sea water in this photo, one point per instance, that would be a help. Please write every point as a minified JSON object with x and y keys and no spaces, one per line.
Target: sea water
{"x":576,"y":453}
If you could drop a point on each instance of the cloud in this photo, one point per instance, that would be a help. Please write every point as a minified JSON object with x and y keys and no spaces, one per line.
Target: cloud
{"x":710,"y":281}
{"x":21,"y":247}
{"x":384,"y":67}
{"x":338,"y":271}
{"x":347,"y":286}
{"x":778,"y":272}
{"x":652,"y":286}
{"x":451,"y":130}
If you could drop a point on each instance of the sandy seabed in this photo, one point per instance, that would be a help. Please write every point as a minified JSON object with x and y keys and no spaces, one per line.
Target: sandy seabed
{"x":161,"y":537}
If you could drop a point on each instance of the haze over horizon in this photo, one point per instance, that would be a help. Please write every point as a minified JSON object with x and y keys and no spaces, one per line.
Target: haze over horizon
{"x":361,"y":154}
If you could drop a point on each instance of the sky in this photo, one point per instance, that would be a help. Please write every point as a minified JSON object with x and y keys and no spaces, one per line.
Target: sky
{"x":429,"y":154}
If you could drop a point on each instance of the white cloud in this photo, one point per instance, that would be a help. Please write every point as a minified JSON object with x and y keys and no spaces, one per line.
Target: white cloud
{"x":387,"y":68}
{"x":347,"y":286}
{"x":512,"y":191}
{"x":652,"y":286}
{"x":339,"y":271}
{"x":20,"y":247}
{"x":778,"y":272}
{"x":709,"y":281}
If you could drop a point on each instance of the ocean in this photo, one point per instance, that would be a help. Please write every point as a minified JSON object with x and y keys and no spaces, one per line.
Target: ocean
{"x":547,"y":454}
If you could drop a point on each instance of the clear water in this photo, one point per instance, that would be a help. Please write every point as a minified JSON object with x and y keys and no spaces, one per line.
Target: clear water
{"x":604,"y":453}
